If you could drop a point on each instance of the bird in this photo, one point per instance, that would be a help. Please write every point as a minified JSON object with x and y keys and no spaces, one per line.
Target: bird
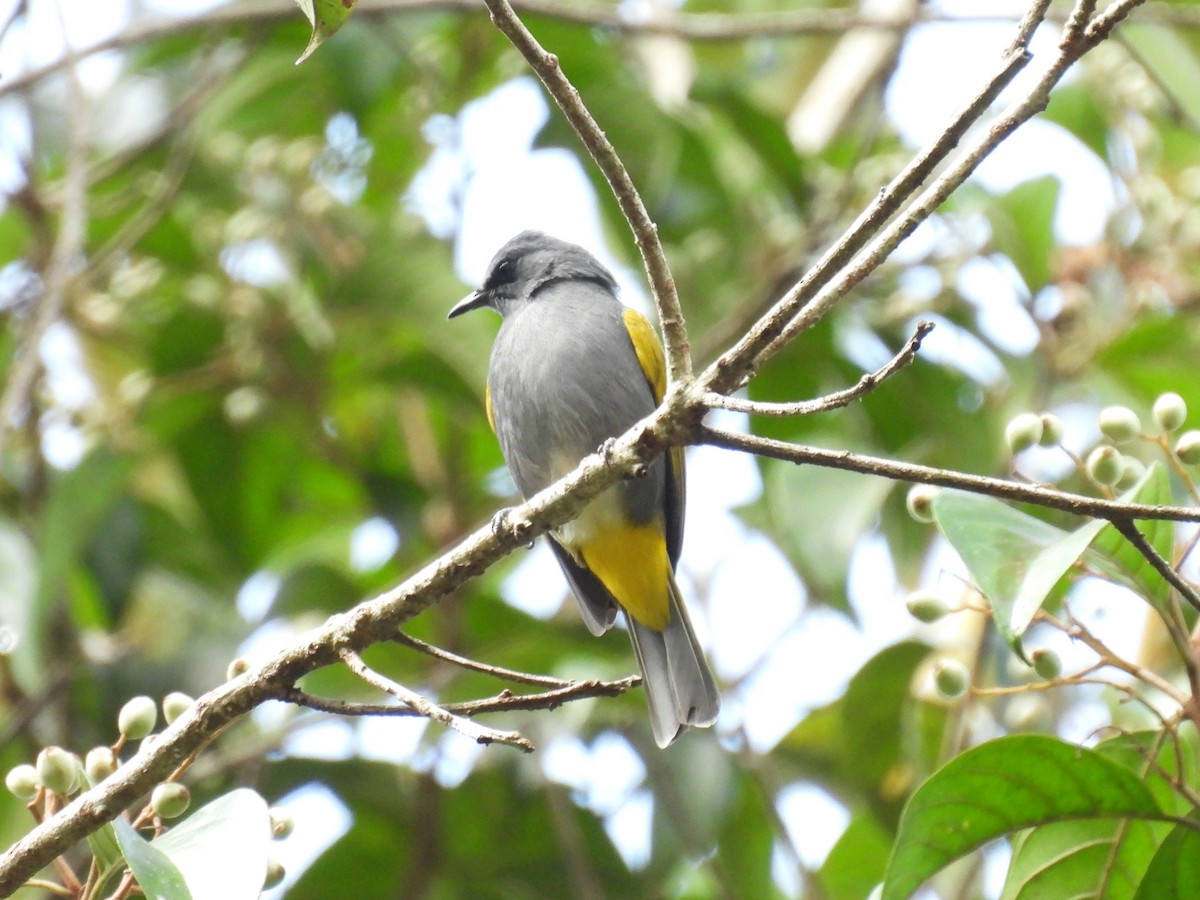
{"x":572,"y":368}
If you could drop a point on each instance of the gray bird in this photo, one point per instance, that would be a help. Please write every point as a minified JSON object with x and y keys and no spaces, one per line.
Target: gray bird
{"x":571,"y":368}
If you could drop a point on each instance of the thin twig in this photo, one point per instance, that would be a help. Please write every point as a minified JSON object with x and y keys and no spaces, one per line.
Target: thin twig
{"x":475,"y":666}
{"x":505,"y":701}
{"x":1131,"y":533}
{"x":1048,"y":498}
{"x":736,"y":365}
{"x":600,"y":149}
{"x":425,"y":707}
{"x":836,"y":400}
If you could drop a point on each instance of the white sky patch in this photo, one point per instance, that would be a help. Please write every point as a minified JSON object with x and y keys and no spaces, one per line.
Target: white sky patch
{"x":991,"y":284}
{"x":256,"y":262}
{"x":814,"y":820}
{"x":629,"y":828}
{"x":256,"y":595}
{"x":319,"y":820}
{"x":956,"y":348}
{"x":326,"y":738}
{"x":536,"y":586}
{"x":390,"y":738}
{"x":810,"y":666}
{"x":755,"y":597}
{"x":456,"y":755}
{"x":372,"y":544}
{"x":973,"y":51}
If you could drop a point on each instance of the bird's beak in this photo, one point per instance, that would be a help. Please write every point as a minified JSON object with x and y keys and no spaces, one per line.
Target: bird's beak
{"x":473,"y":300}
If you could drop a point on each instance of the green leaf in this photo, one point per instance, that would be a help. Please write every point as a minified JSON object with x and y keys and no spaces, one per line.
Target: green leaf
{"x":857,"y":861}
{"x":1000,"y":787}
{"x":1174,"y":873}
{"x":107,"y":851}
{"x":1129,"y":567}
{"x":326,"y":17}
{"x":1015,"y":559}
{"x":156,"y":875}
{"x":1104,"y":857}
{"x":221,"y":849}
{"x":1023,"y":227}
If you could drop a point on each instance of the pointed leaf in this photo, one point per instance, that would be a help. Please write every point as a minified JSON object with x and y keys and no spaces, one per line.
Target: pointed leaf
{"x":1015,"y":559}
{"x":1000,"y":787}
{"x":1128,"y":566}
{"x":156,"y":875}
{"x":221,"y":849}
{"x":326,"y":17}
{"x":1174,"y":873}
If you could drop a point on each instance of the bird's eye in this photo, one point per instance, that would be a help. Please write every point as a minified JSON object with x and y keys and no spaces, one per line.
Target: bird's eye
{"x":503,"y":273}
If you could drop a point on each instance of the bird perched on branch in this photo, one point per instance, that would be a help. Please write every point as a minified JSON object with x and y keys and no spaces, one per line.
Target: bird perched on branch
{"x":571,"y":368}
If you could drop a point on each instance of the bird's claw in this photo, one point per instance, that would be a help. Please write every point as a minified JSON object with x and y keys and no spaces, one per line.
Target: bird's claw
{"x":503,"y":522}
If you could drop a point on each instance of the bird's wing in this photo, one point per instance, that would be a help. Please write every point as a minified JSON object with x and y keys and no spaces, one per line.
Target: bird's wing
{"x":654,"y":366}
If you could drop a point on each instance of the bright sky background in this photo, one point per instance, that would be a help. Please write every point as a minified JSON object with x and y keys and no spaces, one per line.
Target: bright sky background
{"x":755,"y":619}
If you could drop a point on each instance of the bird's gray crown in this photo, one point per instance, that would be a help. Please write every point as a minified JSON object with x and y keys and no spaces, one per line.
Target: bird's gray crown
{"x":531,"y":261}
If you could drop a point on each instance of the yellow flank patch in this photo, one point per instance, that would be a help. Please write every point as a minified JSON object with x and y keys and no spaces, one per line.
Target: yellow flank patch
{"x":487,"y":401}
{"x":631,"y":561}
{"x":649,"y":351}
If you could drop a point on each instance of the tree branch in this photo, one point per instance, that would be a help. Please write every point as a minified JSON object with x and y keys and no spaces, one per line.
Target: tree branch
{"x":645,"y":232}
{"x":423,"y":706}
{"x":1076,"y":504}
{"x":1131,"y":533}
{"x":836,"y":400}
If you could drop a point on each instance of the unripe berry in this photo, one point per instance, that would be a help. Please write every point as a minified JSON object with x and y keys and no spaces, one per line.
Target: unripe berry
{"x":1132,"y":471}
{"x":99,"y":763}
{"x":1187,"y":448}
{"x":275,"y":874}
{"x":926,"y":606}
{"x":23,"y":782}
{"x":237,"y":667}
{"x":1119,"y":423}
{"x":170,"y":799}
{"x":281,"y":823}
{"x":1104,"y":465}
{"x":174,"y":705}
{"x":1052,"y":430}
{"x":58,"y":770}
{"x":951,"y":678}
{"x":1023,"y":431}
{"x":920,"y":502}
{"x":1046,"y":663}
{"x":1170,"y":411}
{"x":137,"y":718}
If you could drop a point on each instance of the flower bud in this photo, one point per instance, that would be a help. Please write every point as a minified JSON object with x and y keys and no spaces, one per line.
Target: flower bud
{"x":137,"y":718}
{"x":275,"y":874}
{"x":23,"y":782}
{"x":174,"y":705}
{"x":170,"y":799}
{"x":1187,"y":448}
{"x":1119,"y":424}
{"x":1023,"y":431}
{"x":926,"y":606}
{"x":99,"y":763}
{"x":1170,"y":411}
{"x":1132,"y":471}
{"x":1046,"y":663}
{"x":1104,"y":465}
{"x":951,"y":678}
{"x":920,"y":502}
{"x":58,"y":770}
{"x":281,"y":823}
{"x":1052,"y":430}
{"x":237,"y":667}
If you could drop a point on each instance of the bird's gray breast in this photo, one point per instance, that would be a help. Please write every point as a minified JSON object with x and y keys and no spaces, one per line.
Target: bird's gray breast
{"x":563,"y":379}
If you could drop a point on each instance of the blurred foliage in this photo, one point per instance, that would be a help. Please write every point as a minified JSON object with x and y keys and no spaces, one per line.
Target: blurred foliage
{"x":259,"y":317}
